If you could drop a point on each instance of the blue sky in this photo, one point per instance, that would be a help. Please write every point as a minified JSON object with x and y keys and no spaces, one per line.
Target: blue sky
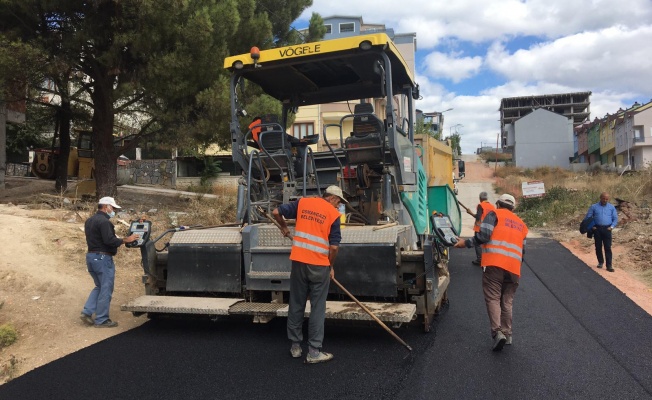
{"x":472,"y":53}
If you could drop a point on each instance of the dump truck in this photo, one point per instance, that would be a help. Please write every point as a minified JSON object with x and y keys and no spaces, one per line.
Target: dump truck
{"x":393,"y":255}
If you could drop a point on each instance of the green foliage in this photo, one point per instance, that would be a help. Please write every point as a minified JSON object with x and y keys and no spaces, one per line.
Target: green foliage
{"x":316,"y":29}
{"x":424,"y":129}
{"x":8,"y":335}
{"x":492,"y":157}
{"x":559,"y":202}
{"x":281,"y":14}
{"x":263,"y":104}
{"x":210,"y":170}
{"x":455,"y":140}
{"x":19,"y":67}
{"x":20,"y":137}
{"x":154,"y":63}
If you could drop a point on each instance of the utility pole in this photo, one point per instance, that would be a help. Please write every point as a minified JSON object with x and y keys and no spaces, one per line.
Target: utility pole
{"x":496,"y":165}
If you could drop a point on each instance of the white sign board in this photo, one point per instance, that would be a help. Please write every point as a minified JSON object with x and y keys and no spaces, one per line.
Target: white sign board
{"x":533,"y":189}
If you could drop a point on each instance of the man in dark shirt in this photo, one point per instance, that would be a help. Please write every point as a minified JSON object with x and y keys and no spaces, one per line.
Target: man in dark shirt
{"x":102,"y":245}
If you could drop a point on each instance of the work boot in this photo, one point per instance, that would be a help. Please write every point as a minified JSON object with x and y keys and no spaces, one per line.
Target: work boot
{"x":600,"y":265}
{"x":295,"y":350}
{"x":87,"y":319}
{"x":499,"y":341}
{"x":610,"y":269}
{"x":508,"y":342}
{"x":475,"y":262}
{"x":107,"y":324}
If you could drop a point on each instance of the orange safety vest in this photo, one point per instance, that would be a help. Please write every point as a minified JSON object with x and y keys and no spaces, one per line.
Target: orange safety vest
{"x":314,"y":219}
{"x":486,"y":207}
{"x":505,"y":248}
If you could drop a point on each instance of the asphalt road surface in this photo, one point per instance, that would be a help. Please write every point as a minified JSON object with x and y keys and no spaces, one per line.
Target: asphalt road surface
{"x":575,"y":337}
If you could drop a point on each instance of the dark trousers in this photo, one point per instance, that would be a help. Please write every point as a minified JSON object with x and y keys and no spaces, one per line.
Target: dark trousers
{"x":602,"y":237}
{"x":308,"y":281}
{"x":478,"y":250}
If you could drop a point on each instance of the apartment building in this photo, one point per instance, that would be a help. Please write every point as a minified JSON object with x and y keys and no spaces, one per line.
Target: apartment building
{"x":633,"y":137}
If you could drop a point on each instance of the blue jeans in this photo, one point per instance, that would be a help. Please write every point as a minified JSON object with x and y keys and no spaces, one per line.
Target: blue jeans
{"x":102,"y":270}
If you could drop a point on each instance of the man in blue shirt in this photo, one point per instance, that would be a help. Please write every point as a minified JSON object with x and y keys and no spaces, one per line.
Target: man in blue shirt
{"x":606,"y":218}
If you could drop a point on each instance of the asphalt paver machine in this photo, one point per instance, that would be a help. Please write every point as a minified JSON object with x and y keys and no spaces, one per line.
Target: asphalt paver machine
{"x":393,"y":255}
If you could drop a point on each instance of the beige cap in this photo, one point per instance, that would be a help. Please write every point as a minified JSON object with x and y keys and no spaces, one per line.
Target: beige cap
{"x":109,"y":201}
{"x":335,"y":190}
{"x":507,"y":199}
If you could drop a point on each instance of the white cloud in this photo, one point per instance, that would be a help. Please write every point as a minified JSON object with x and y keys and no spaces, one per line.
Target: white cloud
{"x":451,"y":67}
{"x":482,"y":21}
{"x":613,"y":58}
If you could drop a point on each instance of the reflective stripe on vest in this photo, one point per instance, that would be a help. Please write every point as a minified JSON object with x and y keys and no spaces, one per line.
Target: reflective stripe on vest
{"x":486,"y":207}
{"x":505,"y":249}
{"x":314,"y":219}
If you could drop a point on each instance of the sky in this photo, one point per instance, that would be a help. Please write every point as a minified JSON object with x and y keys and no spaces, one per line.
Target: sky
{"x":472,"y":53}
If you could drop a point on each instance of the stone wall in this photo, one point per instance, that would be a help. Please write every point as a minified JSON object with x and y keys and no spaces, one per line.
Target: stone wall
{"x":152,"y":172}
{"x":18,"y":169}
{"x":148,"y":172}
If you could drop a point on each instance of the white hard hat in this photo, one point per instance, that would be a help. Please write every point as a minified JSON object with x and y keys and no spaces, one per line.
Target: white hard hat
{"x":507,"y":199}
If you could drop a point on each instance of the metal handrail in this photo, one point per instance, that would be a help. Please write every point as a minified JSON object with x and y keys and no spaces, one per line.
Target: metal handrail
{"x":289,"y":163}
{"x":305,"y":170}
{"x":256,"y":153}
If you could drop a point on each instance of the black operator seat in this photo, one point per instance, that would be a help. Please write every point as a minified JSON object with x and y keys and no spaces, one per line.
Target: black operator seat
{"x":276,"y":149}
{"x":365,"y":143}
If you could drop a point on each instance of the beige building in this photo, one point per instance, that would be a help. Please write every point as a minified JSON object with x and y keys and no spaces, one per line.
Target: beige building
{"x":313,"y":119}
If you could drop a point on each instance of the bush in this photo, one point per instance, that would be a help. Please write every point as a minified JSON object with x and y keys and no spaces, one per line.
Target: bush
{"x":559,"y":202}
{"x":8,"y":335}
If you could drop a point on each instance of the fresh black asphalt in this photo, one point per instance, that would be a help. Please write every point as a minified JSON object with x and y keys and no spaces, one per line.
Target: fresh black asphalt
{"x":575,"y":337}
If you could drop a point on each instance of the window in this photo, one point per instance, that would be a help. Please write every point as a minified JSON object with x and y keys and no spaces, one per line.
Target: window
{"x":303,"y":129}
{"x":329,"y":28}
{"x":347,"y":27}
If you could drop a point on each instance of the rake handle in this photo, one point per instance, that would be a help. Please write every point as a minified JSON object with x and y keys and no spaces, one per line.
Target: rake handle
{"x":371,"y":314}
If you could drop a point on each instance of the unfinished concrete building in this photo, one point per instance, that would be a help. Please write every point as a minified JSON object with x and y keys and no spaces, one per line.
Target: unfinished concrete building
{"x":575,"y":107}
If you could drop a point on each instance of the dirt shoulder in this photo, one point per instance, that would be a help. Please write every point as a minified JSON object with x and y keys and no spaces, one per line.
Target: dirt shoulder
{"x":43,"y":277}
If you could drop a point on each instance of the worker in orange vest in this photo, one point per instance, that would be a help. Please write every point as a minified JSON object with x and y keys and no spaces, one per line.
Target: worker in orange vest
{"x":315,"y":245}
{"x":502,"y":236}
{"x":481,"y":211}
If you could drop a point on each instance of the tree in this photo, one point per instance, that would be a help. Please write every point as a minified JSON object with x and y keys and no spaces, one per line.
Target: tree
{"x":17,"y":70}
{"x":155,"y":64}
{"x":316,"y":28}
{"x":281,"y":14}
{"x":455,"y":140}
{"x":27,"y":65}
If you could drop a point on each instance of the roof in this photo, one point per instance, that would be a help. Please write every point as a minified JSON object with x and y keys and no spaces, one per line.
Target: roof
{"x":324,"y":72}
